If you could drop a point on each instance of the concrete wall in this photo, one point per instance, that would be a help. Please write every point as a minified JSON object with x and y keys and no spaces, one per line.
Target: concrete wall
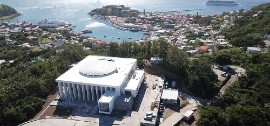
{"x":169,"y":101}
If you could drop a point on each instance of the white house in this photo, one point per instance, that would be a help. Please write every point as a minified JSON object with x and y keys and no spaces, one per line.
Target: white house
{"x":253,"y":49}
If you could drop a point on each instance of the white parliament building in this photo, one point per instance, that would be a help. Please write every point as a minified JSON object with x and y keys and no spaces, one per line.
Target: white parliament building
{"x":101,"y":79}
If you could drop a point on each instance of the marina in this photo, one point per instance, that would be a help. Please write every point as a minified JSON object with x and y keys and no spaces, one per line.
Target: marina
{"x":75,"y":13}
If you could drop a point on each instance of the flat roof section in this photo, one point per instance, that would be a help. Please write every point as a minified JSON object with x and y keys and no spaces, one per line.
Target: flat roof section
{"x":135,"y":79}
{"x":107,"y":97}
{"x":254,"y":49}
{"x":169,"y":94}
{"x":101,"y":65}
{"x":55,"y":122}
{"x":188,"y":113}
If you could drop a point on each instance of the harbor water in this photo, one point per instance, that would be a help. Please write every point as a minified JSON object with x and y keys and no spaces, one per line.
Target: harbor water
{"x":75,"y":12}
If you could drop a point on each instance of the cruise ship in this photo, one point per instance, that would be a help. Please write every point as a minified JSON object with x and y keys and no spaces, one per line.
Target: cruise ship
{"x":50,"y":24}
{"x":222,"y":2}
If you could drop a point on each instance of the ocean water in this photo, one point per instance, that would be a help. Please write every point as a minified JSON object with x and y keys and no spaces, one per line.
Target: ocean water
{"x":75,"y":12}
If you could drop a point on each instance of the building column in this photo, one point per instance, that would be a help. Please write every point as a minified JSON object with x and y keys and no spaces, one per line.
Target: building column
{"x":65,"y":89}
{"x":92,"y":93}
{"x":79,"y":91}
{"x":60,"y":88}
{"x":83,"y":92}
{"x":118,"y":91}
{"x":97,"y":95}
{"x":101,"y":91}
{"x":74,"y":91}
{"x":88,"y":93}
{"x":70,"y":92}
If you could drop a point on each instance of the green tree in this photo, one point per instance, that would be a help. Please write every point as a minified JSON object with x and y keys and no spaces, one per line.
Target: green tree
{"x":212,"y":116}
{"x":113,"y":49}
{"x":222,"y":59}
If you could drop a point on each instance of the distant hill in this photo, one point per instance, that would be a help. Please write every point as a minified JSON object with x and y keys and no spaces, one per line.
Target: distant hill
{"x":115,"y":10}
{"x":7,"y":12}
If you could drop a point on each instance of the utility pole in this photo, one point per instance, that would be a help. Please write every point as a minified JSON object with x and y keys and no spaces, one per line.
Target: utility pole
{"x":214,"y":41}
{"x":144,"y":12}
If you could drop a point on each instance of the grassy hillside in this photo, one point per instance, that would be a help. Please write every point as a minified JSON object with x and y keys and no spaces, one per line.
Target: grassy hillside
{"x":7,"y":12}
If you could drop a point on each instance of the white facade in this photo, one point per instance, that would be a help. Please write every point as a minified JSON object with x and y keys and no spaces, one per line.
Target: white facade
{"x":134,"y":83}
{"x":90,"y":78}
{"x":106,"y":102}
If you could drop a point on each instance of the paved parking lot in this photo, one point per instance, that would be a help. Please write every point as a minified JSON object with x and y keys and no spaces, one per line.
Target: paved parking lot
{"x":148,"y":96}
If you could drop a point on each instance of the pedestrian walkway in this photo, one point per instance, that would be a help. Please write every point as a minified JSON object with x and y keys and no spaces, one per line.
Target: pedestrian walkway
{"x":94,"y":110}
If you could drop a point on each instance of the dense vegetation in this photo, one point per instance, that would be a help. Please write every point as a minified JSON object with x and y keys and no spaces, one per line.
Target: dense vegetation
{"x":28,"y":80}
{"x":247,"y":101}
{"x":7,"y":12}
{"x":28,"y":75}
{"x":196,"y":74}
{"x":250,"y":27}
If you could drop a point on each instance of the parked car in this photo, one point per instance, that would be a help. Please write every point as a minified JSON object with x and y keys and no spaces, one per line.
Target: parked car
{"x":224,"y":74}
{"x":160,"y":111}
{"x":161,"y":105}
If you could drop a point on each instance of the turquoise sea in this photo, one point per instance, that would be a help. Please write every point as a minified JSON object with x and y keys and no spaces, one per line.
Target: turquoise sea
{"x":75,"y":12}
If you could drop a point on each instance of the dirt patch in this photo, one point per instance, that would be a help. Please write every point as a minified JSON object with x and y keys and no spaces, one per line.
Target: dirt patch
{"x":157,"y":70}
{"x":183,"y":102}
{"x":57,"y":111}
{"x":49,"y":99}
{"x":170,"y":109}
{"x":167,"y":113}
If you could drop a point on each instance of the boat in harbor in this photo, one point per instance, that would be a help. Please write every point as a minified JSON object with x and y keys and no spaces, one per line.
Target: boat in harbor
{"x":134,"y":29}
{"x":222,"y":2}
{"x":146,"y":33}
{"x":85,"y":31}
{"x":145,"y":30}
